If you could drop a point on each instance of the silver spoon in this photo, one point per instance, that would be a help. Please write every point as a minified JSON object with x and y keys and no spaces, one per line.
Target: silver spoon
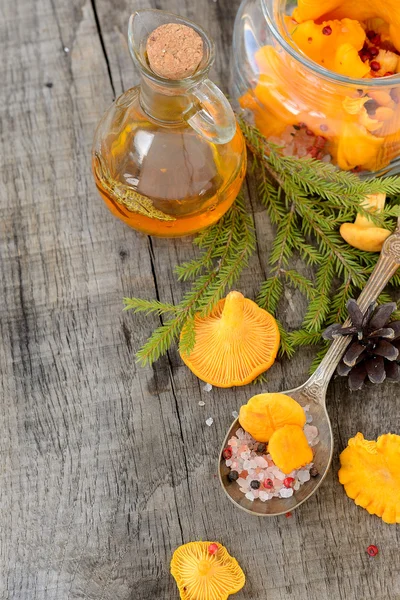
{"x":313,"y":392}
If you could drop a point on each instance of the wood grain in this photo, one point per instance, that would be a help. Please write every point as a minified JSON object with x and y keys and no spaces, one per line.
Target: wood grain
{"x":107,"y":468}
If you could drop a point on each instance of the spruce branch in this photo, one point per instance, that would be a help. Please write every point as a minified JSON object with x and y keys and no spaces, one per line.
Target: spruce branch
{"x":226,"y":248}
{"x":307,"y":200}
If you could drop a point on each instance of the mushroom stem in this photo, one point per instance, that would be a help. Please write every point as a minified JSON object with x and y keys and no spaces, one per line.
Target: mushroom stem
{"x":233,"y":311}
{"x":372,"y":203}
{"x":363,"y":233}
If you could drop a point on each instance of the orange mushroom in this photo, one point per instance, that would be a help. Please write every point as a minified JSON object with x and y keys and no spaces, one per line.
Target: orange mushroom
{"x":370,"y":473}
{"x":388,"y":10}
{"x":289,"y":448}
{"x":264,"y":413}
{"x":234,"y":344}
{"x":364,"y":234}
{"x":206,"y":571}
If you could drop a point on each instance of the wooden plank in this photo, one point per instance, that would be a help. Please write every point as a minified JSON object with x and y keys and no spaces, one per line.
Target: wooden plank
{"x":107,"y":468}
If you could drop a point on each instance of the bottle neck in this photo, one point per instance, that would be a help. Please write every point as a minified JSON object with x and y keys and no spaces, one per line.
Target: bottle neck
{"x":164,"y":103}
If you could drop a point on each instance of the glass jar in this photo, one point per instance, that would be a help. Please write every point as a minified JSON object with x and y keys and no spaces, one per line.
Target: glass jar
{"x":307,"y":109}
{"x":168,"y":156}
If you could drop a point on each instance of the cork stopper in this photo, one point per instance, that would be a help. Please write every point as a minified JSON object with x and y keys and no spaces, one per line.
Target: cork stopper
{"x":174,"y":51}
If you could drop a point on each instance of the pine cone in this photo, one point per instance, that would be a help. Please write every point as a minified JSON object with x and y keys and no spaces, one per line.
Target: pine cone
{"x":375,"y":348}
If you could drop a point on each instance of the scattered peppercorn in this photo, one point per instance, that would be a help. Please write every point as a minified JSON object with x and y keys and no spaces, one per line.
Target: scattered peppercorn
{"x":309,"y":132}
{"x":268,"y":484}
{"x":327,"y":30}
{"x":374,"y":51}
{"x":372,"y":550}
{"x":375,"y":65}
{"x":288,"y":514}
{"x":227,"y":453}
{"x":388,"y":73}
{"x":255,"y":484}
{"x":233,"y":475}
{"x":213,"y":549}
{"x":314,"y":472}
{"x":261,"y":447}
{"x":288,"y":482}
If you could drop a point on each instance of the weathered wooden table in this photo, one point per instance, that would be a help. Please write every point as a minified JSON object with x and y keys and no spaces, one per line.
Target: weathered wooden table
{"x":105,"y":467}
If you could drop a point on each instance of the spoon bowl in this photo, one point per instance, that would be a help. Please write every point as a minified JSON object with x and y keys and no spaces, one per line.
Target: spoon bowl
{"x":322,"y":459}
{"x":313,"y":393}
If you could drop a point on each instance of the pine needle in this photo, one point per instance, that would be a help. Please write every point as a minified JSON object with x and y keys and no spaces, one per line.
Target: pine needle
{"x":306,"y":201}
{"x":225,"y":249}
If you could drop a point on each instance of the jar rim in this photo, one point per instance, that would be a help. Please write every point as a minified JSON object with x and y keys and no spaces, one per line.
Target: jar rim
{"x":304,"y":60}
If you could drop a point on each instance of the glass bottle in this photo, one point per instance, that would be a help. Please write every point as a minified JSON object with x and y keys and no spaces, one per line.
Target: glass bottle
{"x":306,"y":108}
{"x":168,"y":156}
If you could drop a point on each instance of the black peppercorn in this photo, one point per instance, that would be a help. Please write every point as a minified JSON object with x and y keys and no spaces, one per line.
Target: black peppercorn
{"x":233,"y":475}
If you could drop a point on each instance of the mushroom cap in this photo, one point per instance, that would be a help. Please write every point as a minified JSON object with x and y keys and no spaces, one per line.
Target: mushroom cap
{"x":370,"y":473}
{"x":200,"y":575}
{"x":369,"y":239}
{"x":234,"y":344}
{"x":265,"y":413}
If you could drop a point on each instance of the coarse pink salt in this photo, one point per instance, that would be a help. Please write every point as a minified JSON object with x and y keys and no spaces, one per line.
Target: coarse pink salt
{"x":251,"y":465}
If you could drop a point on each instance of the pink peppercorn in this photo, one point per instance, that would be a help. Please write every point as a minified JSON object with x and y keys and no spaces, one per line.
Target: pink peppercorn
{"x":227,"y":453}
{"x":374,"y":51}
{"x":319,"y":142}
{"x":375,"y":65}
{"x":268,"y":484}
{"x":372,"y":550}
{"x":288,"y":482}
{"x":213,"y":549}
{"x":327,"y":30}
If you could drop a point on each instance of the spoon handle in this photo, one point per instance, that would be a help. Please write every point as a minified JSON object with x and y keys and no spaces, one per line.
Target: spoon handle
{"x":385,"y":268}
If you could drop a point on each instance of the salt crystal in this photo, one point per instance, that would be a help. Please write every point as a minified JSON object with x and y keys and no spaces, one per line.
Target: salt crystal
{"x":263,"y":496}
{"x":209,"y":421}
{"x":235,"y":414}
{"x":261,"y":462}
{"x":66,"y":50}
{"x":228,"y":462}
{"x":314,"y":442}
{"x":250,"y":496}
{"x":297,"y":486}
{"x":233,"y":442}
{"x":278,"y":474}
{"x":242,"y":482}
{"x":240,"y":434}
{"x":207,"y":387}
{"x":311,"y":432}
{"x":306,"y":408}
{"x":201,"y":403}
{"x":286,"y":492}
{"x":253,"y":464}
{"x":309,"y":418}
{"x":303,"y":475}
